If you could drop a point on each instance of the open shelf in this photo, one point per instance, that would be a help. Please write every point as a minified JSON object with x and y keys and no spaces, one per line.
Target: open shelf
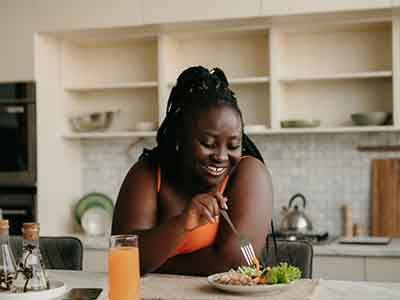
{"x":108,"y":135}
{"x":99,"y":86}
{"x":341,"y":76}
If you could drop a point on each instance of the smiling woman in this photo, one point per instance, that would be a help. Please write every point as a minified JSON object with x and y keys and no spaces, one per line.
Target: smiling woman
{"x":203,"y":162}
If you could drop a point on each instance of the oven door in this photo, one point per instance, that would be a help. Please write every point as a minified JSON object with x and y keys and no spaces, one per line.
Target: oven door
{"x":18,"y":140}
{"x":18,"y":208}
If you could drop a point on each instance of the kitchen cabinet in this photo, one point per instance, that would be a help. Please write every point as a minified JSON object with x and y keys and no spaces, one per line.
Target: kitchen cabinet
{"x":339,"y":268}
{"x":288,"y":7}
{"x":17,"y":21}
{"x":95,"y":260}
{"x":357,"y":268}
{"x":382,"y":269}
{"x":62,"y":14}
{"x":278,"y":72}
{"x":170,"y":11}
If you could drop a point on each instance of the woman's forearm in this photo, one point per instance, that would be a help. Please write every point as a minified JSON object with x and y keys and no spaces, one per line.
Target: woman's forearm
{"x":200,"y":263}
{"x":156,"y":245}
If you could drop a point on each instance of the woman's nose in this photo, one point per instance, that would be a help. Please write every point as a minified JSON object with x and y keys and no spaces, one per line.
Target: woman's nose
{"x":220,"y":154}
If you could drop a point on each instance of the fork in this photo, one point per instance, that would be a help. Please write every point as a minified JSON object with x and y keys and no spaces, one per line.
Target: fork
{"x":245,"y":245}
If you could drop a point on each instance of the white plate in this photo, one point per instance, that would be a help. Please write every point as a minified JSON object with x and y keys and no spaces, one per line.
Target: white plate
{"x":247,"y":289}
{"x":57,"y":288}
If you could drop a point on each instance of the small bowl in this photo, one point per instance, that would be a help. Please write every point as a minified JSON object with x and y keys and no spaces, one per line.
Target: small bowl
{"x":374,"y":118}
{"x":145,"y":126}
{"x":95,"y":121}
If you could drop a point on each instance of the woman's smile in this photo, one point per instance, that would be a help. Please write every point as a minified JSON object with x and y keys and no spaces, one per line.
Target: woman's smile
{"x":214,"y":170}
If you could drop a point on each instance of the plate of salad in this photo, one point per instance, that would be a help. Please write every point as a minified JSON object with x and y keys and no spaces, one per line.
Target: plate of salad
{"x":253,"y":279}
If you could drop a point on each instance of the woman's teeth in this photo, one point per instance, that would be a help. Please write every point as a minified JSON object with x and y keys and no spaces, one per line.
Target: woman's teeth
{"x":215,"y":171}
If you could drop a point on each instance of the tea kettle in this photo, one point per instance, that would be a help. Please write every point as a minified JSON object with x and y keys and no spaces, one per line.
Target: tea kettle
{"x":294,"y":219}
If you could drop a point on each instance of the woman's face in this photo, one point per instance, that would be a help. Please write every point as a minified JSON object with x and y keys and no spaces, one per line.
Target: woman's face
{"x":212,"y":146}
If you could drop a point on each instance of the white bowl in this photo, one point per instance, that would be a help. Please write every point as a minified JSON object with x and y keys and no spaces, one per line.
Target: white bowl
{"x":145,"y":126}
{"x":96,"y":221}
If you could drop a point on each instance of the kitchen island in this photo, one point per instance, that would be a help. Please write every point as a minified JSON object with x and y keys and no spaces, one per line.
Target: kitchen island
{"x":357,"y":262}
{"x":168,"y":287}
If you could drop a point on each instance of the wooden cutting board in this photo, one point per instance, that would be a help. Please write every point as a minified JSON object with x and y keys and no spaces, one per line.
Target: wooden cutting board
{"x":385,"y":189}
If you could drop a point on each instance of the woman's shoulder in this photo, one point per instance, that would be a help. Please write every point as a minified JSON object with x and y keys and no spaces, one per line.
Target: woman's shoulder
{"x":144,"y":169}
{"x":252,"y":168}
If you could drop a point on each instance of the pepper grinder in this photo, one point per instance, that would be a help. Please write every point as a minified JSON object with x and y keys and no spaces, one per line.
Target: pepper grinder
{"x":347,"y":221}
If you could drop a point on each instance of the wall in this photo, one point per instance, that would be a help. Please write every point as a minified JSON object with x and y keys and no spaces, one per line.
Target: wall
{"x":326,"y":168}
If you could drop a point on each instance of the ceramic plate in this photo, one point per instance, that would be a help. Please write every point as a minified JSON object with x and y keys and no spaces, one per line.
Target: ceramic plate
{"x":246,"y":289}
{"x":57,"y":288}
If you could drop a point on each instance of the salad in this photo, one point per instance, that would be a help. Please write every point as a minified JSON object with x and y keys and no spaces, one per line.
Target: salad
{"x":254,"y":275}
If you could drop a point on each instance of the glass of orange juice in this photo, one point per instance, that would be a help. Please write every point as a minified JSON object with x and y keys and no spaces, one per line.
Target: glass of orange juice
{"x":123,"y":267}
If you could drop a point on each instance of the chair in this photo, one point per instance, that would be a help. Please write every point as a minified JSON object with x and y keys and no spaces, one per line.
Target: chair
{"x":63,"y":253}
{"x":298,"y":253}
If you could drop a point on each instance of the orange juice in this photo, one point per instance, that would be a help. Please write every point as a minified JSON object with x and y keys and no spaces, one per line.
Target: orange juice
{"x":123,"y":272}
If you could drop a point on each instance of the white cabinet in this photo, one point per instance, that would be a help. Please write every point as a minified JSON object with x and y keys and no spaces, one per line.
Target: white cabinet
{"x":288,"y":7}
{"x":358,"y":268}
{"x":278,"y":72}
{"x":383,"y":269}
{"x":337,"y":68}
{"x":17,"y":25}
{"x":95,"y":260}
{"x":69,"y":14}
{"x":170,"y":11}
{"x":339,"y":268}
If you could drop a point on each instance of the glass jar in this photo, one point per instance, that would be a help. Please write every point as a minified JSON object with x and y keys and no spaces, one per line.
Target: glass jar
{"x":8,"y":268}
{"x":31,"y":269}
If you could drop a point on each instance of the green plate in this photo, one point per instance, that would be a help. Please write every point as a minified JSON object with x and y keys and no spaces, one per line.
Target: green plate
{"x":93,"y":200}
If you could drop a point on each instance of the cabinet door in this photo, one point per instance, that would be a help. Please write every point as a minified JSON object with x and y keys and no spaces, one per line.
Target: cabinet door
{"x":383,"y":269}
{"x":68,"y":14}
{"x":284,"y":7}
{"x":339,"y":267}
{"x":155,"y":11}
{"x":95,"y":260}
{"x":16,"y":38}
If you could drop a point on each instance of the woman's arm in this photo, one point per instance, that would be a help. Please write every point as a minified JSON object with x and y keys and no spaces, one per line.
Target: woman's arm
{"x":136,"y":212}
{"x":250,"y":207}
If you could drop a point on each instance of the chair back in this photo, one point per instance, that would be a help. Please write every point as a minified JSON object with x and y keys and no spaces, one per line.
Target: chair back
{"x":63,"y":253}
{"x":297,"y":253}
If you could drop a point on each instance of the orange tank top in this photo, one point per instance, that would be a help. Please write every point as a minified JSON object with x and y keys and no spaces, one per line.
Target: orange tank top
{"x":202,"y":236}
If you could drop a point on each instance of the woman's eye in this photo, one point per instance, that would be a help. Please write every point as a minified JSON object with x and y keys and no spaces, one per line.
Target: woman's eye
{"x":207,"y":144}
{"x":234,"y":147}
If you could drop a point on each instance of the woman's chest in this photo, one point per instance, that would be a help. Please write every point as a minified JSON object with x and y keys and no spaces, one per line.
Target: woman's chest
{"x":171,"y":202}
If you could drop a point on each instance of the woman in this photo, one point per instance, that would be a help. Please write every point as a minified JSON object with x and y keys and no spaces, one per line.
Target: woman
{"x":203,"y":162}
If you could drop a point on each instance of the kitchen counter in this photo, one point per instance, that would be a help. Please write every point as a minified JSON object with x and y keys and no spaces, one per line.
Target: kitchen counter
{"x":332,"y":249}
{"x":173,"y":287}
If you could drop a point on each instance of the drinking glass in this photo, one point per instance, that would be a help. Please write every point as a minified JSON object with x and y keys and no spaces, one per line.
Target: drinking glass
{"x":123,"y":267}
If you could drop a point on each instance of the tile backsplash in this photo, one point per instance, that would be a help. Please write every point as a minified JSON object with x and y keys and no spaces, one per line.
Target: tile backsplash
{"x":326,"y":168}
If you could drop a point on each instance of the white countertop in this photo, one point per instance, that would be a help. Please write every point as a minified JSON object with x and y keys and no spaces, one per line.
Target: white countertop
{"x":332,"y":249}
{"x":336,"y":249}
{"x":172,"y":287}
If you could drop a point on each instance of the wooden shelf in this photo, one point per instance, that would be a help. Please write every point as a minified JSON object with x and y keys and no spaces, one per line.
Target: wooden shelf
{"x":238,"y":81}
{"x":342,"y":76}
{"x":108,"y":135}
{"x":110,"y":86}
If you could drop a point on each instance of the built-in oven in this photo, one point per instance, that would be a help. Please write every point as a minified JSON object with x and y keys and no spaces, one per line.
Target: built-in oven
{"x":17,"y":134}
{"x":18,"y":205}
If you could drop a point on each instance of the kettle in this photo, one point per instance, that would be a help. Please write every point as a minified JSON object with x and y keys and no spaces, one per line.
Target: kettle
{"x":294,"y":219}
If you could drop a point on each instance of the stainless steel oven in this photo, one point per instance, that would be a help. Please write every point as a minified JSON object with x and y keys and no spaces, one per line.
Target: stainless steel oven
{"x":18,"y":205}
{"x":17,"y":134}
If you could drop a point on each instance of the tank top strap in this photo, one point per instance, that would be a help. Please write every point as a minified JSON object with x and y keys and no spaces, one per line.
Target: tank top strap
{"x":158,"y":179}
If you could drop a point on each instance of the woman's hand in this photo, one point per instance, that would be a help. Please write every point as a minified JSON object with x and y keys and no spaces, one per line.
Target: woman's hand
{"x":202,"y":209}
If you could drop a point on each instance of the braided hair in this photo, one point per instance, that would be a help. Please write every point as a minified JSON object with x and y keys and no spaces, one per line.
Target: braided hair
{"x":196,"y":89}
